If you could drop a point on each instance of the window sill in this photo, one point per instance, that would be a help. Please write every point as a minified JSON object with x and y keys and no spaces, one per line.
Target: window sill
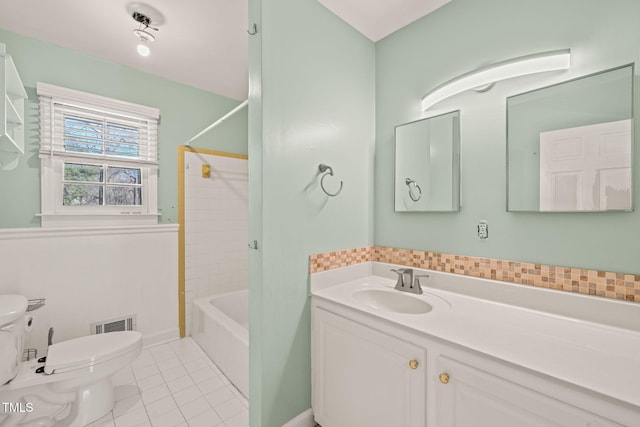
{"x":92,"y":220}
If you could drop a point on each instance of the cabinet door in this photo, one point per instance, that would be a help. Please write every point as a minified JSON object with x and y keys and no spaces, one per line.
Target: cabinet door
{"x":362,"y":377}
{"x":471,"y":397}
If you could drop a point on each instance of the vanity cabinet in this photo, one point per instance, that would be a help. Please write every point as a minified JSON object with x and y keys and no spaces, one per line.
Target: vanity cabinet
{"x":370,"y":372}
{"x":11,"y":112}
{"x":363,"y":377}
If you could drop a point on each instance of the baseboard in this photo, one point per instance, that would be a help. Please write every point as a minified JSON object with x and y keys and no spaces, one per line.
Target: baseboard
{"x":150,"y":340}
{"x":305,"y":419}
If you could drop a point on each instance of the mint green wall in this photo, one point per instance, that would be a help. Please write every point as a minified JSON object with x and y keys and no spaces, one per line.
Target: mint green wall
{"x":462,"y":36}
{"x":311,"y":101}
{"x":184,"y":112}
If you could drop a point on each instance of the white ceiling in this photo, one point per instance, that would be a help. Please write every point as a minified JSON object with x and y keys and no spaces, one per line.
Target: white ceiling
{"x":377,"y":19}
{"x":202,"y":43}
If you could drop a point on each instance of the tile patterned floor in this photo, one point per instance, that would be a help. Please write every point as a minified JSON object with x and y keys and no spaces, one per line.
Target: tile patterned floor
{"x":175,"y":385}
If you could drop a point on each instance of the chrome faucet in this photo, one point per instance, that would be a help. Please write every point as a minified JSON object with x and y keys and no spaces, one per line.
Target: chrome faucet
{"x":406,"y":281}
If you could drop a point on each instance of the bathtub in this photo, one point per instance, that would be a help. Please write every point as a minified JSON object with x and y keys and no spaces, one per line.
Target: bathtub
{"x":220,"y":325}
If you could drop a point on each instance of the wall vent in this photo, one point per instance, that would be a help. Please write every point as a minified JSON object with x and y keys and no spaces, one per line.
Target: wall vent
{"x":127,"y":323}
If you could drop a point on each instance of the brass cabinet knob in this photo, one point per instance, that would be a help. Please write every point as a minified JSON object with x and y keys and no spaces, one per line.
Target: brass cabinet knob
{"x":413,"y":364}
{"x":444,"y":378}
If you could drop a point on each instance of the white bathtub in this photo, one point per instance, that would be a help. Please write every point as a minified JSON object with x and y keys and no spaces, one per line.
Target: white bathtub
{"x":220,"y":325}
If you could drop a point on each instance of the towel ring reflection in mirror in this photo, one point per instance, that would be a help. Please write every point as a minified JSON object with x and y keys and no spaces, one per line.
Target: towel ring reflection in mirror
{"x":328,"y":170}
{"x":409,"y":181}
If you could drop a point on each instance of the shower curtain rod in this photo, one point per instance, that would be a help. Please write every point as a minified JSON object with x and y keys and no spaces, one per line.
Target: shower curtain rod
{"x":220,"y":120}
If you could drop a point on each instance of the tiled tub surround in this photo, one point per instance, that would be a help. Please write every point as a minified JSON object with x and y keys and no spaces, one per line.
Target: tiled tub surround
{"x":216,"y":226}
{"x":588,"y":282}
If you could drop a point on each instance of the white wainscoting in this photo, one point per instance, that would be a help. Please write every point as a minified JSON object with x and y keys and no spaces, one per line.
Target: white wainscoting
{"x":89,"y":275}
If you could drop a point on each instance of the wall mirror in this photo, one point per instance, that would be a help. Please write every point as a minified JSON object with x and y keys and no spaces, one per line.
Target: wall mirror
{"x":428,"y":164}
{"x":570,"y":145}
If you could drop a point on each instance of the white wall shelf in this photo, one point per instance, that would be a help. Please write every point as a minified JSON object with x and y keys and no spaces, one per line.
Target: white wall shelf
{"x":11,"y":112}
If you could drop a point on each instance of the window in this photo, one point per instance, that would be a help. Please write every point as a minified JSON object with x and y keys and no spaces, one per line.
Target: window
{"x":99,"y":159}
{"x":89,"y":185}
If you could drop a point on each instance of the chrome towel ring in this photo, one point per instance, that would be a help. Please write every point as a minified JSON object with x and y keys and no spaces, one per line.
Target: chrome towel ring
{"x":409,"y":181}
{"x":328,"y":170}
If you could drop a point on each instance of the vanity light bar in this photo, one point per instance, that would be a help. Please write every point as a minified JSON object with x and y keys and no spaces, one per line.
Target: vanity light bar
{"x":516,"y":67}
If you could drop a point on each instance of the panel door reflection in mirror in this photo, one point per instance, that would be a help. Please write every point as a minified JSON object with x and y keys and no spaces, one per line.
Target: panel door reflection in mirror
{"x":569,"y":146}
{"x":428,"y":164}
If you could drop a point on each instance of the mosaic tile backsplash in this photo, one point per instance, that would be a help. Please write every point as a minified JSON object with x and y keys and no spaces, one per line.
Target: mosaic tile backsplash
{"x":590,"y":282}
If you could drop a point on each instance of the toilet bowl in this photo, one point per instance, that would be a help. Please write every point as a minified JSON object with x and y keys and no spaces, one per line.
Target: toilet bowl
{"x":72,"y":387}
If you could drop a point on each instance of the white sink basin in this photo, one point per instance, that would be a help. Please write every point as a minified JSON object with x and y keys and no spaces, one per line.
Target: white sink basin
{"x":392,"y":300}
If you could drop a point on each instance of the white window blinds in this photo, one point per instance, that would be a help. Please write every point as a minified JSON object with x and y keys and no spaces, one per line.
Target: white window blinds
{"x":77,"y":124}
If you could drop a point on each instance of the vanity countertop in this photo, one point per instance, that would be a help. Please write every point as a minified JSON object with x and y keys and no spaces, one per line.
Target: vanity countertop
{"x":594,"y":355}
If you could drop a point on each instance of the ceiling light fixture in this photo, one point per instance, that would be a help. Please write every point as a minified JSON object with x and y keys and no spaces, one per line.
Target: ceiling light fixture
{"x":485,"y":77}
{"x":143,"y":49}
{"x":144,"y":34}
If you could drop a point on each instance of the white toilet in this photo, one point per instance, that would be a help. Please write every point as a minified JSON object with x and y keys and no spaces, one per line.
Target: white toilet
{"x":72,"y":387}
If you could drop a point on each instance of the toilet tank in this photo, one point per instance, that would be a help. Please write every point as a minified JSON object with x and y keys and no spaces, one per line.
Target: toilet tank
{"x":12,"y":334}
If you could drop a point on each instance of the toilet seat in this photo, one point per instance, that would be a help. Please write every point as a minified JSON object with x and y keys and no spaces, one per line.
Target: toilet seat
{"x":87,"y":351}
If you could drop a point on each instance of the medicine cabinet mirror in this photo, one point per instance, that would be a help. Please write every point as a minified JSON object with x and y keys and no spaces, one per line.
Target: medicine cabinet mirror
{"x":428,"y":164}
{"x":570,"y":145}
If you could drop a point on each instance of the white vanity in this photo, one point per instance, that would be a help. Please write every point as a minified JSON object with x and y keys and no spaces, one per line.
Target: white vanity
{"x":469,"y":352}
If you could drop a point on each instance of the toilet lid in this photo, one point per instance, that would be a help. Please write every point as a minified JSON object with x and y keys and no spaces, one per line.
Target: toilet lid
{"x":90,"y":350}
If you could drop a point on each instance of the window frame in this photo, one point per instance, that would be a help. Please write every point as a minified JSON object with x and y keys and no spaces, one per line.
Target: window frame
{"x":53,"y":159}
